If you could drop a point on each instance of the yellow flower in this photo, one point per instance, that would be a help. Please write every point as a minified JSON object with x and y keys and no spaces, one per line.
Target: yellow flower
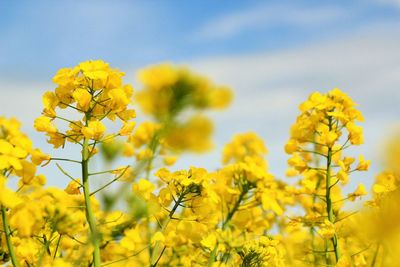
{"x":56,"y":139}
{"x":127,"y":128}
{"x":8,"y":198}
{"x":209,"y":241}
{"x":27,"y":172}
{"x":43,"y":124}
{"x":297,"y":162}
{"x":291,"y":172}
{"x":50,"y":102}
{"x":269,"y":203}
{"x":170,"y":160}
{"x":5,"y":147}
{"x":158,"y":237}
{"x":73,"y":188}
{"x":21,"y":224}
{"x":378,"y":188}
{"x":327,"y":230}
{"x":158,"y":76}
{"x":220,"y":97}
{"x":143,"y":188}
{"x":37,"y":156}
{"x":131,"y":238}
{"x":329,"y":138}
{"x":127,"y":114}
{"x":95,"y":130}
{"x":360,"y":191}
{"x":83,"y":98}
{"x":9,"y":156}
{"x":363,"y":164}
{"x":128,"y":150}
{"x":243,"y":146}
{"x":118,"y":99}
{"x":291,"y":146}
{"x":343,"y":176}
{"x":355,"y":133}
{"x":63,"y":77}
{"x":95,"y":69}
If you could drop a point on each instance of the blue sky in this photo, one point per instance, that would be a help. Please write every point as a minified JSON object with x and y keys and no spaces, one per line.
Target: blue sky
{"x":38,"y":37}
{"x":272,"y":53}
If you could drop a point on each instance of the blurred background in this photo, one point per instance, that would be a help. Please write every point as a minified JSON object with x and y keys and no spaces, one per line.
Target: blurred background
{"x":273,"y":54}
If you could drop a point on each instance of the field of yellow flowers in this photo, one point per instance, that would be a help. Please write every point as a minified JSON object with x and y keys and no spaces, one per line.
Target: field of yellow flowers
{"x":145,"y":214}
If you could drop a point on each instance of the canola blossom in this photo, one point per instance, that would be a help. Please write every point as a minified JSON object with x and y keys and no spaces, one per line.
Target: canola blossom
{"x":149,"y":213}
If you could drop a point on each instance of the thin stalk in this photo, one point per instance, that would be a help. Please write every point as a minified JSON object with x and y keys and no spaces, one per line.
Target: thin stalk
{"x":46,"y":246}
{"x":159,"y":257}
{"x":70,"y":160}
{"x":111,"y":182}
{"x":103,"y":172}
{"x":314,"y":199}
{"x":7,"y":233}
{"x":89,"y":210}
{"x":327,"y":255}
{"x":156,"y":255}
{"x":225,"y":223}
{"x":67,"y":174}
{"x":234,"y":209}
{"x":329,"y":207}
{"x":58,"y":244}
{"x":125,"y":258}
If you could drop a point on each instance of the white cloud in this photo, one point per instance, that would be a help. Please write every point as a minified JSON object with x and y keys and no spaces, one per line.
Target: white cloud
{"x":263,"y":16}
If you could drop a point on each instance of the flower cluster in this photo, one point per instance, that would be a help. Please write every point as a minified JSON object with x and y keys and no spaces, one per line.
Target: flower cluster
{"x":95,"y":91}
{"x":174,"y":98}
{"x":169,"y":89}
{"x":262,"y":252}
{"x":325,"y":128}
{"x":19,"y":159}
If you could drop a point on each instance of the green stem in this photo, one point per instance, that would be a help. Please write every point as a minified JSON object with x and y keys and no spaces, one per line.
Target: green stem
{"x":314,"y":199}
{"x":89,"y":210}
{"x":7,"y":233}
{"x":156,"y":255}
{"x":234,"y":209}
{"x":225,"y":223}
{"x":329,"y":207}
{"x":46,"y":246}
{"x":327,"y":255}
{"x":212,"y":256}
